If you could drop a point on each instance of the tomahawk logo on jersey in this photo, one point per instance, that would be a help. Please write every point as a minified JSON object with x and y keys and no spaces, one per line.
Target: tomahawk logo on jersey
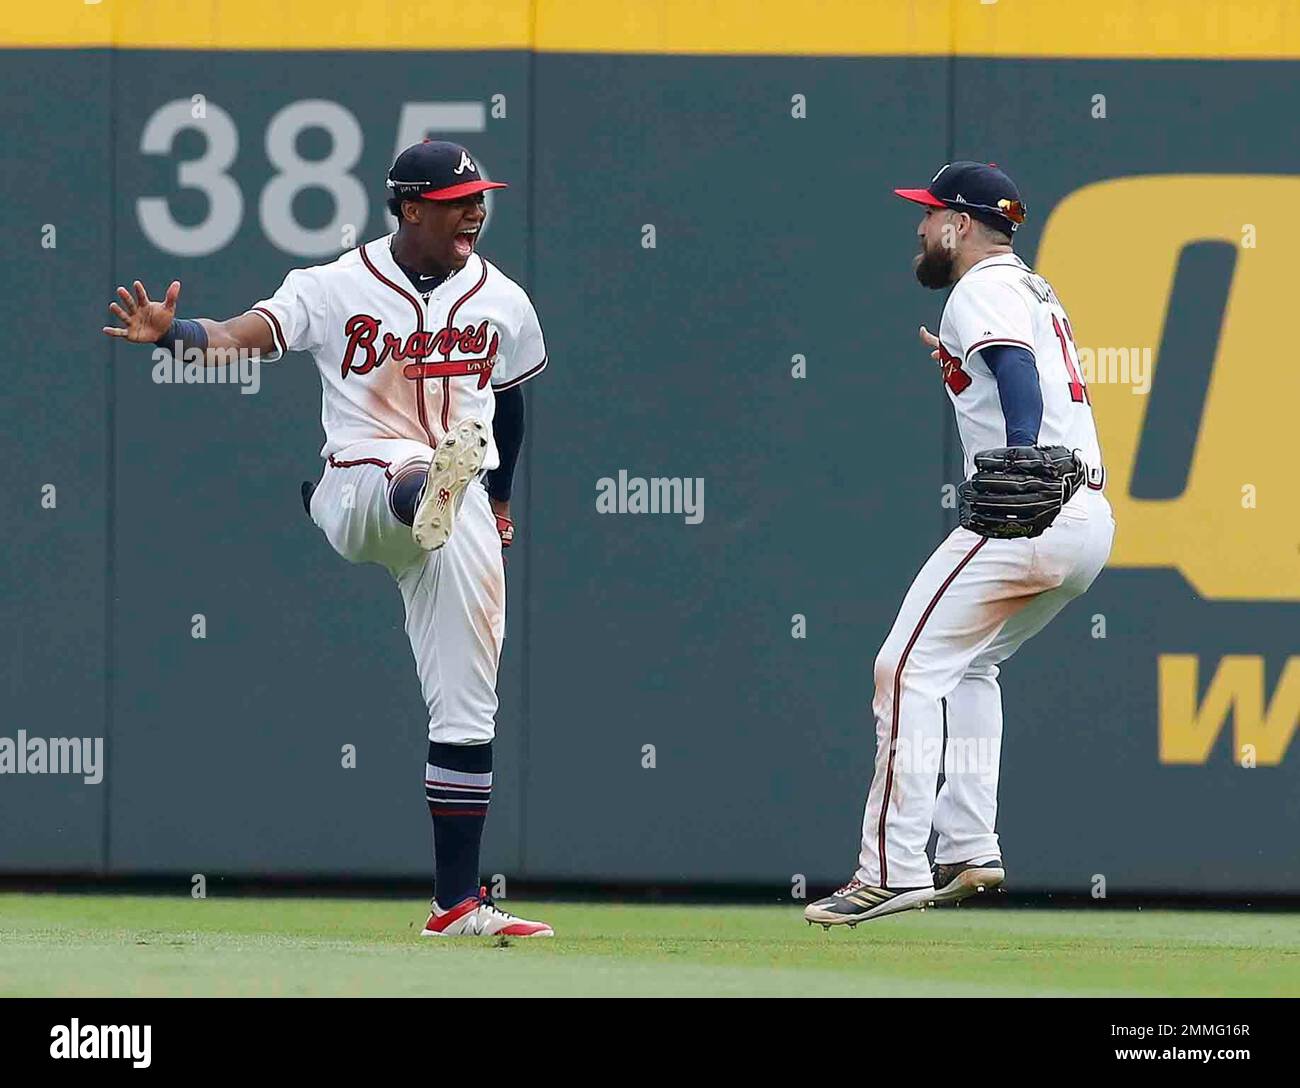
{"x":394,"y":364}
{"x":1001,"y":301}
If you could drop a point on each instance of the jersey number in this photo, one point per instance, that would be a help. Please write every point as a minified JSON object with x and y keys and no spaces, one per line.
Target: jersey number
{"x":1078,"y":390}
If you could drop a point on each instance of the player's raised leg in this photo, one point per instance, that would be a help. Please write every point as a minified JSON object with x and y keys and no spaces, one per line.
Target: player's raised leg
{"x":366,"y":498}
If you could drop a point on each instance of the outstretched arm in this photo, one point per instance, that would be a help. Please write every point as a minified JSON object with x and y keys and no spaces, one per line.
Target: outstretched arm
{"x":146,"y":321}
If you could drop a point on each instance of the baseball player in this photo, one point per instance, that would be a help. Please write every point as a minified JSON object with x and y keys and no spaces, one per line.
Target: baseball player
{"x":422,"y":346}
{"x":1036,"y":529}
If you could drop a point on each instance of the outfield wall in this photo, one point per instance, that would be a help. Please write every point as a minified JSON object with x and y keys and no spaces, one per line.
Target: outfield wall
{"x":1150,"y":730}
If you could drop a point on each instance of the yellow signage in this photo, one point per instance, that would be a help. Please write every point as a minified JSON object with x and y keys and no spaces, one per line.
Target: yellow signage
{"x":1111,"y":251}
{"x":1261,"y":729}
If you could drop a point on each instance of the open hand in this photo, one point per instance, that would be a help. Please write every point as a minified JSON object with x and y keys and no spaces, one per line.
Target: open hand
{"x":143,"y":320}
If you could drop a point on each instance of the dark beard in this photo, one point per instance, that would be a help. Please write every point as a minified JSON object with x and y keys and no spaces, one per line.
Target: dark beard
{"x":933,"y":269}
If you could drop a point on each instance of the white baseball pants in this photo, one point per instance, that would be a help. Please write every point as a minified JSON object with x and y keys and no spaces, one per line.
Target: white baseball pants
{"x":971,"y":607}
{"x":455,"y":597}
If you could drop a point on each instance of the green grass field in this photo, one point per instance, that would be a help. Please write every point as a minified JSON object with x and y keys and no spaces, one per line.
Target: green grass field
{"x":108,"y":945}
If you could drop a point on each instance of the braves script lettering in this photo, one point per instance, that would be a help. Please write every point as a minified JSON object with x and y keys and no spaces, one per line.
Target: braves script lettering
{"x":365,"y":350}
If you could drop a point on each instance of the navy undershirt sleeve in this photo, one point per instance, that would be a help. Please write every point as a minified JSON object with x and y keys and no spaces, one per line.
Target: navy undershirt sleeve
{"x":1018,"y":390}
{"x":508,"y":430}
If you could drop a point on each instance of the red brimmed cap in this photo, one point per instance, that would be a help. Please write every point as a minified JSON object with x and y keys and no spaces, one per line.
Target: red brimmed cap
{"x":976,"y":187}
{"x":921,"y":196}
{"x":437,"y":170}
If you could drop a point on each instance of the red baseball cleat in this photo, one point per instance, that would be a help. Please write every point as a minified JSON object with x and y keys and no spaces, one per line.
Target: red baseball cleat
{"x":480,"y":917}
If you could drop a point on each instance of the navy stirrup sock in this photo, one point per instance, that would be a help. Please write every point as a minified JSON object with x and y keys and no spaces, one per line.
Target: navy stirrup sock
{"x":458,"y":787}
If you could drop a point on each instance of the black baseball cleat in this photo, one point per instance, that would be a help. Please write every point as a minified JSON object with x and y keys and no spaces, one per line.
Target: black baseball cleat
{"x":857,"y":902}
{"x":960,"y":879}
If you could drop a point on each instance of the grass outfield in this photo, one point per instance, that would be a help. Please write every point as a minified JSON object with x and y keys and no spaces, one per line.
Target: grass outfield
{"x":109,"y":945}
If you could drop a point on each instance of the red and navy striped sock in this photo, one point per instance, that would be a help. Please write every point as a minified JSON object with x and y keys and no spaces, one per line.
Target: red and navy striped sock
{"x":458,"y":787}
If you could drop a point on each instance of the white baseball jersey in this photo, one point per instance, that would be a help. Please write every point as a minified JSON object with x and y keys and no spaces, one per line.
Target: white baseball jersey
{"x":1001,"y":300}
{"x":394,"y":364}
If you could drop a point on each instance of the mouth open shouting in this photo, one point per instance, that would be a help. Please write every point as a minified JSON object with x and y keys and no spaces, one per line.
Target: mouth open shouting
{"x":457,"y":224}
{"x":463,"y":242}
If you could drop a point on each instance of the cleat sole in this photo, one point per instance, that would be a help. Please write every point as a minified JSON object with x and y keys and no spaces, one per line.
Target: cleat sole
{"x":971,"y":882}
{"x":455,"y":463}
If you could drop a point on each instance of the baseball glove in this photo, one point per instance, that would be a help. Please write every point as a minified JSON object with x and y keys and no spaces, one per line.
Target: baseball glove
{"x":1017,"y":491}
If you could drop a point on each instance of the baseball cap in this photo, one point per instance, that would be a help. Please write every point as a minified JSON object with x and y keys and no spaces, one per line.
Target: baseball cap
{"x":976,"y":187}
{"x":437,"y":170}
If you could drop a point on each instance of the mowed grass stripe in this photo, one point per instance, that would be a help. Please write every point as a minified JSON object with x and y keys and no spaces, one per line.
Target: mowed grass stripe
{"x":139,"y":945}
